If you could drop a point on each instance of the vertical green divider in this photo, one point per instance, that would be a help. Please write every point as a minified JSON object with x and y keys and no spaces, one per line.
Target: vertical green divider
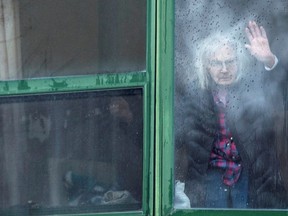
{"x":149,"y":107}
{"x":164,"y":108}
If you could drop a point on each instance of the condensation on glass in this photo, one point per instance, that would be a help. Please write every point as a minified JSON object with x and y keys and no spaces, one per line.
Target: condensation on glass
{"x":71,"y":37}
{"x":221,"y":125}
{"x":71,"y":152}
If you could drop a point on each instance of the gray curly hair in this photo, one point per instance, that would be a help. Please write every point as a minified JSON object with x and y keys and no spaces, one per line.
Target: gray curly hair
{"x":209,"y":45}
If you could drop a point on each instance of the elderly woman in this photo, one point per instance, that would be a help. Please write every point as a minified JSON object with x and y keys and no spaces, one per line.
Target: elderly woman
{"x":227,"y":127}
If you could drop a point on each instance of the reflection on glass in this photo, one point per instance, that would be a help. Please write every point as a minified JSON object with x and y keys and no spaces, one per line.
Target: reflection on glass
{"x":69,"y":153}
{"x":75,"y":37}
{"x":230,"y":134}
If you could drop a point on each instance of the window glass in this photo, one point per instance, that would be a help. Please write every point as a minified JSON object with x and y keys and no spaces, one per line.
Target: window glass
{"x":231,"y":104}
{"x":71,"y":152}
{"x":72,"y":37}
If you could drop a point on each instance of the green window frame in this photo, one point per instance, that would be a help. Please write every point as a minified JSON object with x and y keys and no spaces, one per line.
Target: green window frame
{"x":109,"y":81}
{"x":164,"y":162}
{"x":157,"y":82}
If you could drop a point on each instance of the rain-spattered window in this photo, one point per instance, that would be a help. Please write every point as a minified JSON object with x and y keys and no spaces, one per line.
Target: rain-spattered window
{"x":75,"y":105}
{"x":230,"y":106}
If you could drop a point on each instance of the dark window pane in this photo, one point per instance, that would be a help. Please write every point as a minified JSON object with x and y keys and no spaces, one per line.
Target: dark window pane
{"x":72,"y":152}
{"x":231,"y":104}
{"x":75,"y":37}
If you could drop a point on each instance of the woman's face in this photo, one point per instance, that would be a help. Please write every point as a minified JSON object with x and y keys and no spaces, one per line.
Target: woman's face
{"x":222,"y":66}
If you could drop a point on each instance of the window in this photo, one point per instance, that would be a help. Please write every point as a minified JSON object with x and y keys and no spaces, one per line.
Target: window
{"x":185,"y":24}
{"x":80,"y":38}
{"x":93,"y":106}
{"x":76,"y":107}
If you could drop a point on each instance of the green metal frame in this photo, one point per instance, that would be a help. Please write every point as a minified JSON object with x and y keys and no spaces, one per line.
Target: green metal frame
{"x":158,"y":89}
{"x":143,"y":79}
{"x":164,"y":109}
{"x":164,"y":164}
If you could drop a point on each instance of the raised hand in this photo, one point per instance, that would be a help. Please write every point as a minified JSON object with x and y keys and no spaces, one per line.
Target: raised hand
{"x":259,"y":45}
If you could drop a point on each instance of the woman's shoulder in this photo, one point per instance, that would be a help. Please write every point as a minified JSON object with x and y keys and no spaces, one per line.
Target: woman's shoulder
{"x":197,"y":97}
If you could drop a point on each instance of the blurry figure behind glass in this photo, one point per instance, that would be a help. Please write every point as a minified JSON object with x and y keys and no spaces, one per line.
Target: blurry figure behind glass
{"x":227,"y":132}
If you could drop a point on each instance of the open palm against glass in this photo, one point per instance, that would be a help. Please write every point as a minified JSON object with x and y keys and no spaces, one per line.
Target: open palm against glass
{"x":259,"y":44}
